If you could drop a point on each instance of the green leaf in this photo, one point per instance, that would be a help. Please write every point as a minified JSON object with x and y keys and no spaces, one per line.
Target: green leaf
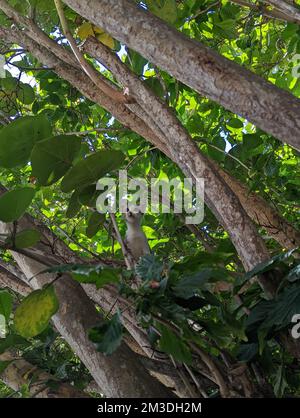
{"x":12,"y":340}
{"x":215,"y":153}
{"x":265,"y":266}
{"x":100,"y":278}
{"x":94,"y":224}
{"x":91,"y":169}
{"x":35,"y":311}
{"x":167,"y":10}
{"x":26,"y":94}
{"x":88,"y":196}
{"x":294,"y":274}
{"x":27,"y":238}
{"x":171,"y":344}
{"x":258,"y":314}
{"x":14,"y":203}
{"x":191,"y":284}
{"x":85,"y":273}
{"x":246,"y":352}
{"x":52,"y":157}
{"x":235,"y":123}
{"x":108,"y":336}
{"x":74,"y":205}
{"x":251,"y":141}
{"x":286,"y":305}
{"x":18,"y":138}
{"x":6,"y":302}
{"x":149,"y":267}
{"x":236,"y":326}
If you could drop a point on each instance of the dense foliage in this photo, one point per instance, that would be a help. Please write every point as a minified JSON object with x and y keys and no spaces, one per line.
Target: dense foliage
{"x":55,"y":144}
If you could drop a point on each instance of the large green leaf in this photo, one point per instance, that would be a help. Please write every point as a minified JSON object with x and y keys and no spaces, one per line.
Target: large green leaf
{"x":247,"y":351}
{"x":18,"y":138}
{"x":74,"y":205}
{"x":26,"y":94}
{"x":6,"y":301}
{"x":108,"y":336}
{"x":91,"y":169}
{"x":265,"y":266}
{"x":14,"y":203}
{"x":189,"y":285}
{"x":165,"y":9}
{"x":149,"y":267}
{"x":52,"y":157}
{"x":12,"y":340}
{"x":27,"y":238}
{"x":172,"y":344}
{"x":84,"y":273}
{"x":95,"y":222}
{"x":35,"y":311}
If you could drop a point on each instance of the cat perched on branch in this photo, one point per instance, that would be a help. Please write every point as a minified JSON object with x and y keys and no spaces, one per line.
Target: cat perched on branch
{"x":135,"y":238}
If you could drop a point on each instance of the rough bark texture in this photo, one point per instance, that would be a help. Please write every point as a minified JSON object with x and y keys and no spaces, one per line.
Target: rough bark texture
{"x":108,"y":299}
{"x":183,"y":151}
{"x":20,"y":372}
{"x":288,"y":8}
{"x":266,"y":11}
{"x":11,"y":279}
{"x":237,"y":89}
{"x":180,"y":147}
{"x":262,"y":213}
{"x":121,"y":374}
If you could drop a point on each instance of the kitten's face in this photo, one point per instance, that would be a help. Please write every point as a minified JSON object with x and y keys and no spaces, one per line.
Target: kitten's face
{"x":133,"y":217}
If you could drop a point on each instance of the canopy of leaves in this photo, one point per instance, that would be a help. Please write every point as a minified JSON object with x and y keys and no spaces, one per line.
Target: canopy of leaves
{"x":193,"y":288}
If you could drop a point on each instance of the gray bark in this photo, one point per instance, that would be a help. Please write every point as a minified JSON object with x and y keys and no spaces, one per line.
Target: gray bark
{"x":121,"y":374}
{"x":182,"y":150}
{"x":20,"y":372}
{"x":234,"y":87}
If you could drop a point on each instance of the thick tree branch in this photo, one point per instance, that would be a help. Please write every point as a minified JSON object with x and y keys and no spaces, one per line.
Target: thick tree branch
{"x":120,"y":375}
{"x":20,"y":372}
{"x":88,"y":69}
{"x":266,"y":11}
{"x":186,"y":154}
{"x":287,"y":8}
{"x":237,"y":89}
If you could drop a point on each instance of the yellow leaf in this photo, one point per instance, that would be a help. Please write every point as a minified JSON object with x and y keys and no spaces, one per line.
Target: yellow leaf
{"x":104,"y":37}
{"x":85,"y":30}
{"x":35,"y":311}
{"x":106,"y":40}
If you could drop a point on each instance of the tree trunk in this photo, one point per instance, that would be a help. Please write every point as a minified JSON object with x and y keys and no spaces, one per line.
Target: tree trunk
{"x":121,"y":374}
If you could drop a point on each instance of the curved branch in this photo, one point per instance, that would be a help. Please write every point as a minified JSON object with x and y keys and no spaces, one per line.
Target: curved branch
{"x":272,"y":109}
{"x":88,"y":69}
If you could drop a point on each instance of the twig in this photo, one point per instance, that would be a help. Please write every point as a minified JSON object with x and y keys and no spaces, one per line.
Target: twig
{"x":128,"y":259}
{"x":201,"y":12}
{"x":88,"y":131}
{"x":88,"y":69}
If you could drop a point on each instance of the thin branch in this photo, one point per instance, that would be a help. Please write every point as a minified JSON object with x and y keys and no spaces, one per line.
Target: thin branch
{"x":88,"y":69}
{"x":201,"y":12}
{"x":101,"y":130}
{"x":127,"y":256}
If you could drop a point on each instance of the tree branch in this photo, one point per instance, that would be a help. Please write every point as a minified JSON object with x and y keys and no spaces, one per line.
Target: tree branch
{"x":88,"y":69}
